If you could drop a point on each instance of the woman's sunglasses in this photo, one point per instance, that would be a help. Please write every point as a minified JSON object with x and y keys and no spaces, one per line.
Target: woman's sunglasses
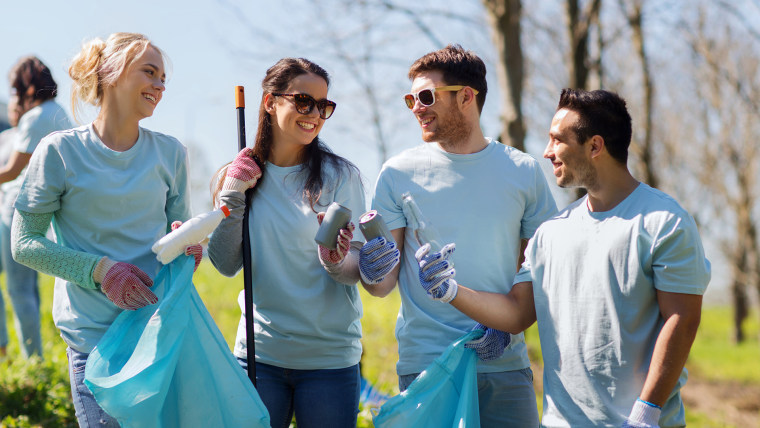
{"x":427,"y":96}
{"x":305,"y":104}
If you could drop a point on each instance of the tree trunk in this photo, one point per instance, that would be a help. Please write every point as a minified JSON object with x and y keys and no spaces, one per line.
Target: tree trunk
{"x":504,"y":17}
{"x":579,"y":28}
{"x":647,"y":155}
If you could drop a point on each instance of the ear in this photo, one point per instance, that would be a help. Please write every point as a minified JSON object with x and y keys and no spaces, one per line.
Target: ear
{"x":596,"y":146}
{"x":269,"y":103}
{"x":467,"y":96}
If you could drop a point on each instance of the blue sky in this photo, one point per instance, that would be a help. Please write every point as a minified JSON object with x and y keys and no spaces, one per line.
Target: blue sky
{"x":198,"y":106}
{"x":214,"y":45}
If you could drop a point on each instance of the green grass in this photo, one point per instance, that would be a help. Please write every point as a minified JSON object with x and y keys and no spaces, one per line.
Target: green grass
{"x":713,"y":356}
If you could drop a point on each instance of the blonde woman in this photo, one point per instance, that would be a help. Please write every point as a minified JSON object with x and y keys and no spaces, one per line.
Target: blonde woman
{"x":111,"y":189}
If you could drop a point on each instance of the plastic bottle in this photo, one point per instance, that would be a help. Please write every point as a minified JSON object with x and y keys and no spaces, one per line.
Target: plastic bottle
{"x":191,"y":232}
{"x":424,"y":231}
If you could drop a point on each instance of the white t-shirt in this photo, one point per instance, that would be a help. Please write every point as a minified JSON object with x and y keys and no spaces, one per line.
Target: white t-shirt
{"x":595,"y":276}
{"x":485,"y":202}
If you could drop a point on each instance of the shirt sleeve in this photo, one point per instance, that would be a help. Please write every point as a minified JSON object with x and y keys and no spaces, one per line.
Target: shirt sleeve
{"x":178,"y":200}
{"x":225,"y":248}
{"x":44,"y":181}
{"x":385,"y":203}
{"x":31,"y":248}
{"x":540,"y":207}
{"x":679,"y":264}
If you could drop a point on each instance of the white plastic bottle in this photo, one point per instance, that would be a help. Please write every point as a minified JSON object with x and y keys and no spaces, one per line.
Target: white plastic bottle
{"x":191,"y":232}
{"x":423,"y":229}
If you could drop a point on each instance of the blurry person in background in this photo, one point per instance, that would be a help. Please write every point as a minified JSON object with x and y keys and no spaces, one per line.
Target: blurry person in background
{"x":33,"y":93}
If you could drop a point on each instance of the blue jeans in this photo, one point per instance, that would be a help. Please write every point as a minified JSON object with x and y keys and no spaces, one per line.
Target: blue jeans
{"x":87,"y":411}
{"x":506,"y":399}
{"x":25,"y":299}
{"x":319,"y":398}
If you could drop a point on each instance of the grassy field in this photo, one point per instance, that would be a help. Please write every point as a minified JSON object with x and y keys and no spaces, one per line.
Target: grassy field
{"x":41,"y":387}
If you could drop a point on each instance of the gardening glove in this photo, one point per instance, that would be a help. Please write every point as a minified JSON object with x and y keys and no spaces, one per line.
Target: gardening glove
{"x":124,"y":284}
{"x":491,"y":345}
{"x":643,"y":415}
{"x":195,"y":250}
{"x":376,"y":259}
{"x":437,"y":272}
{"x":337,"y":255}
{"x":242,"y":173}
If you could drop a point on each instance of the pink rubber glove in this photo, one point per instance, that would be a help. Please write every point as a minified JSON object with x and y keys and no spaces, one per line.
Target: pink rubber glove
{"x":242,"y":173}
{"x":191,"y":250}
{"x":124,"y":284}
{"x":344,"y":243}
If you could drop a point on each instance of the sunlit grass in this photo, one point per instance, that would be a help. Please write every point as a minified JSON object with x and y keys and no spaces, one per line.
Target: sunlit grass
{"x":713,"y":357}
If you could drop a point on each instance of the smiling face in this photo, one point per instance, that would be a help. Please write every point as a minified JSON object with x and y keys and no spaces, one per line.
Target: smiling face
{"x":572,"y":164}
{"x":289,"y":127}
{"x":139,"y":89}
{"x":441,"y":122}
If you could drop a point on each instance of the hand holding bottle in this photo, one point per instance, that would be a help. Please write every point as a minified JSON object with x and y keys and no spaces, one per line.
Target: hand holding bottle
{"x":189,"y":233}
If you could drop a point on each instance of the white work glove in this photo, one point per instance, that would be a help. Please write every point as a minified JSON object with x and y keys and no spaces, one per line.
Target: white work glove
{"x":643,"y":415}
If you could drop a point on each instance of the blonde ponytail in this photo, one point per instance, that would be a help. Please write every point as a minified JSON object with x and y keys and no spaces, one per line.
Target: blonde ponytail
{"x":83,"y":71}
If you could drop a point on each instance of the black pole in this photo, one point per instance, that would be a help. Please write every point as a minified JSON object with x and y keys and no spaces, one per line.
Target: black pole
{"x":247,"y":280}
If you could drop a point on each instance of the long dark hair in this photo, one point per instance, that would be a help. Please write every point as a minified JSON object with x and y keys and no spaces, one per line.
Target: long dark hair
{"x":315,"y":155}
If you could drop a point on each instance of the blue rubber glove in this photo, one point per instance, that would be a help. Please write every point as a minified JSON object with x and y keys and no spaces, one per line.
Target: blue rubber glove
{"x":437,"y":272}
{"x":491,"y":345}
{"x":643,"y":415}
{"x":376,"y":259}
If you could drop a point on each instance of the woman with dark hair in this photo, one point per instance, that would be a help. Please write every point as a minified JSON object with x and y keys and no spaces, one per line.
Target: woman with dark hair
{"x":307,"y":313}
{"x":33,"y":93}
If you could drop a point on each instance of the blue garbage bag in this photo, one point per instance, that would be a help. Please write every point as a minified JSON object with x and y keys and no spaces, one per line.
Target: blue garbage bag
{"x":444,"y":395}
{"x":168,"y":365}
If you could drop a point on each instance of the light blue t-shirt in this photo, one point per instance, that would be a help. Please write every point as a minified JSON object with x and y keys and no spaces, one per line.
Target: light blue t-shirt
{"x":484,"y":202}
{"x":33,"y":126}
{"x":108,"y":203}
{"x":303,"y":318}
{"x":595,"y":276}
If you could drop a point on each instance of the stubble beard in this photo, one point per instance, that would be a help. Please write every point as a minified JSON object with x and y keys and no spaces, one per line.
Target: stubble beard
{"x":583,"y":176}
{"x":453,"y":130}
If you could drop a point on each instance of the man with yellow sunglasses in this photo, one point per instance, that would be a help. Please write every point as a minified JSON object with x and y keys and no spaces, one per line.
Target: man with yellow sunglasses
{"x":487,"y":198}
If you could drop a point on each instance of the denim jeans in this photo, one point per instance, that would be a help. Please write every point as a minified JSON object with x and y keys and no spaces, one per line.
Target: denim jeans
{"x":506,"y":399}
{"x":25,"y":299}
{"x":87,"y":411}
{"x":319,"y":398}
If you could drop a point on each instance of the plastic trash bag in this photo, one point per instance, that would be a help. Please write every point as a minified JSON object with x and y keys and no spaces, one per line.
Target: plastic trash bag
{"x":168,"y":365}
{"x":444,"y":395}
